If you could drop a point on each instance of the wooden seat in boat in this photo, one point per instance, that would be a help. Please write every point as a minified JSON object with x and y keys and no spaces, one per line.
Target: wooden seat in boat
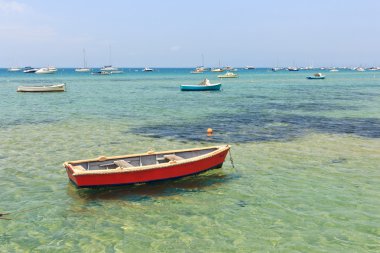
{"x":173,"y":157}
{"x":123,"y":164}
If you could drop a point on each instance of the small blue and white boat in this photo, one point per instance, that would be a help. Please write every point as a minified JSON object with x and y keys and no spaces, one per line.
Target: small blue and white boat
{"x":316,"y":76}
{"x":204,"y":85}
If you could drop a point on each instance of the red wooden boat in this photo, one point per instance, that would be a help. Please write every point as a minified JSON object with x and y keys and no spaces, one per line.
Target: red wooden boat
{"x":151,"y":166}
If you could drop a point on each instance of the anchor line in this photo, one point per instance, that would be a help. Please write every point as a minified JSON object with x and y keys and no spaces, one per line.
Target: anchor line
{"x":232,"y":160}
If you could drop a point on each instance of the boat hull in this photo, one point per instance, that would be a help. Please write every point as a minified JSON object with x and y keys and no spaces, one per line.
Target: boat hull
{"x":82,"y":70}
{"x":201,"y":87}
{"x":52,"y":88}
{"x":30,"y":71}
{"x":155,"y":173}
{"x":227,"y":76}
{"x":315,"y":78}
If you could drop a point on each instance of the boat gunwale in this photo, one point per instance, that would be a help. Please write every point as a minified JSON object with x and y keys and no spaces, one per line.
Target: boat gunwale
{"x":118,"y":170}
{"x":59,"y":85}
{"x":200,"y":85}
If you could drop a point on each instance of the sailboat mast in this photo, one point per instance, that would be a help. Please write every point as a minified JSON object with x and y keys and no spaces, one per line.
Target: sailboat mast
{"x":84,"y":59}
{"x":110,"y":57}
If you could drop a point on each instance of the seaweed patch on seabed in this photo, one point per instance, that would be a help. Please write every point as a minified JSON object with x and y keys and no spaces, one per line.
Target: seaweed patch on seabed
{"x":5,"y":238}
{"x":257,"y":126}
{"x":25,"y":121}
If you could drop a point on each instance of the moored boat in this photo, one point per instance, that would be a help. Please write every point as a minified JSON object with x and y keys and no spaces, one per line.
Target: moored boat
{"x":217,"y":70}
{"x":48,"y":70}
{"x":101,"y":73}
{"x":316,"y":76}
{"x":29,"y":70}
{"x":360,"y":69}
{"x":84,"y":68}
{"x":229,"y":68}
{"x":109,"y":68}
{"x":147,"y":167}
{"x":229,"y":75}
{"x":42,"y":88}
{"x":204,"y":85}
{"x":117,"y":72}
{"x":197,"y":71}
{"x":14,"y":69}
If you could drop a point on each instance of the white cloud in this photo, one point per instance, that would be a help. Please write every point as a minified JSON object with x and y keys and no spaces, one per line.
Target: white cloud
{"x":12,"y":6}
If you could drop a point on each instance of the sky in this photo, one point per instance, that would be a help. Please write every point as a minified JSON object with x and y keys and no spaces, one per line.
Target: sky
{"x":171,"y":33}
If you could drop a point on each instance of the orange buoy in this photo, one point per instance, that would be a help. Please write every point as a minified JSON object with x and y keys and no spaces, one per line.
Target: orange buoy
{"x":209,"y":131}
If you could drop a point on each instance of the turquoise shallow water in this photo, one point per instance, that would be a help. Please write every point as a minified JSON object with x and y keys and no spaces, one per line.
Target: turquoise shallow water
{"x":306,"y":152}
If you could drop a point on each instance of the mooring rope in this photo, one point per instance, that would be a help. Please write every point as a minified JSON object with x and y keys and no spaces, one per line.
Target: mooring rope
{"x":19,"y":211}
{"x":232,"y":160}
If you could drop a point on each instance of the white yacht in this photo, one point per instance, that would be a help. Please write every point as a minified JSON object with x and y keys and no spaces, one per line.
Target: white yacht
{"x":48,"y":70}
{"x":14,"y":69}
{"x":360,"y":69}
{"x":147,"y":69}
{"x":109,"y":68}
{"x":82,"y":70}
{"x":29,"y":70}
{"x":217,"y":70}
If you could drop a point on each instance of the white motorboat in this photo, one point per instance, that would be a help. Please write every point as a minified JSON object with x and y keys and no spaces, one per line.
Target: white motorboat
{"x":228,"y":75}
{"x":82,"y":70}
{"x":14,"y":69}
{"x":116,"y":72}
{"x":109,"y":68}
{"x":360,"y":69}
{"x":147,"y":69}
{"x":42,"y":88}
{"x":53,"y":69}
{"x":29,"y":70}
{"x":48,"y":70}
{"x":229,"y":68}
{"x":101,"y":73}
{"x":316,"y":76}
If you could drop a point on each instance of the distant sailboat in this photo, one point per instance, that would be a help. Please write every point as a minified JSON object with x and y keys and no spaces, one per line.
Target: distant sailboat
{"x":200,"y":69}
{"x":110,"y":68}
{"x":84,"y":69}
{"x":217,"y":69}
